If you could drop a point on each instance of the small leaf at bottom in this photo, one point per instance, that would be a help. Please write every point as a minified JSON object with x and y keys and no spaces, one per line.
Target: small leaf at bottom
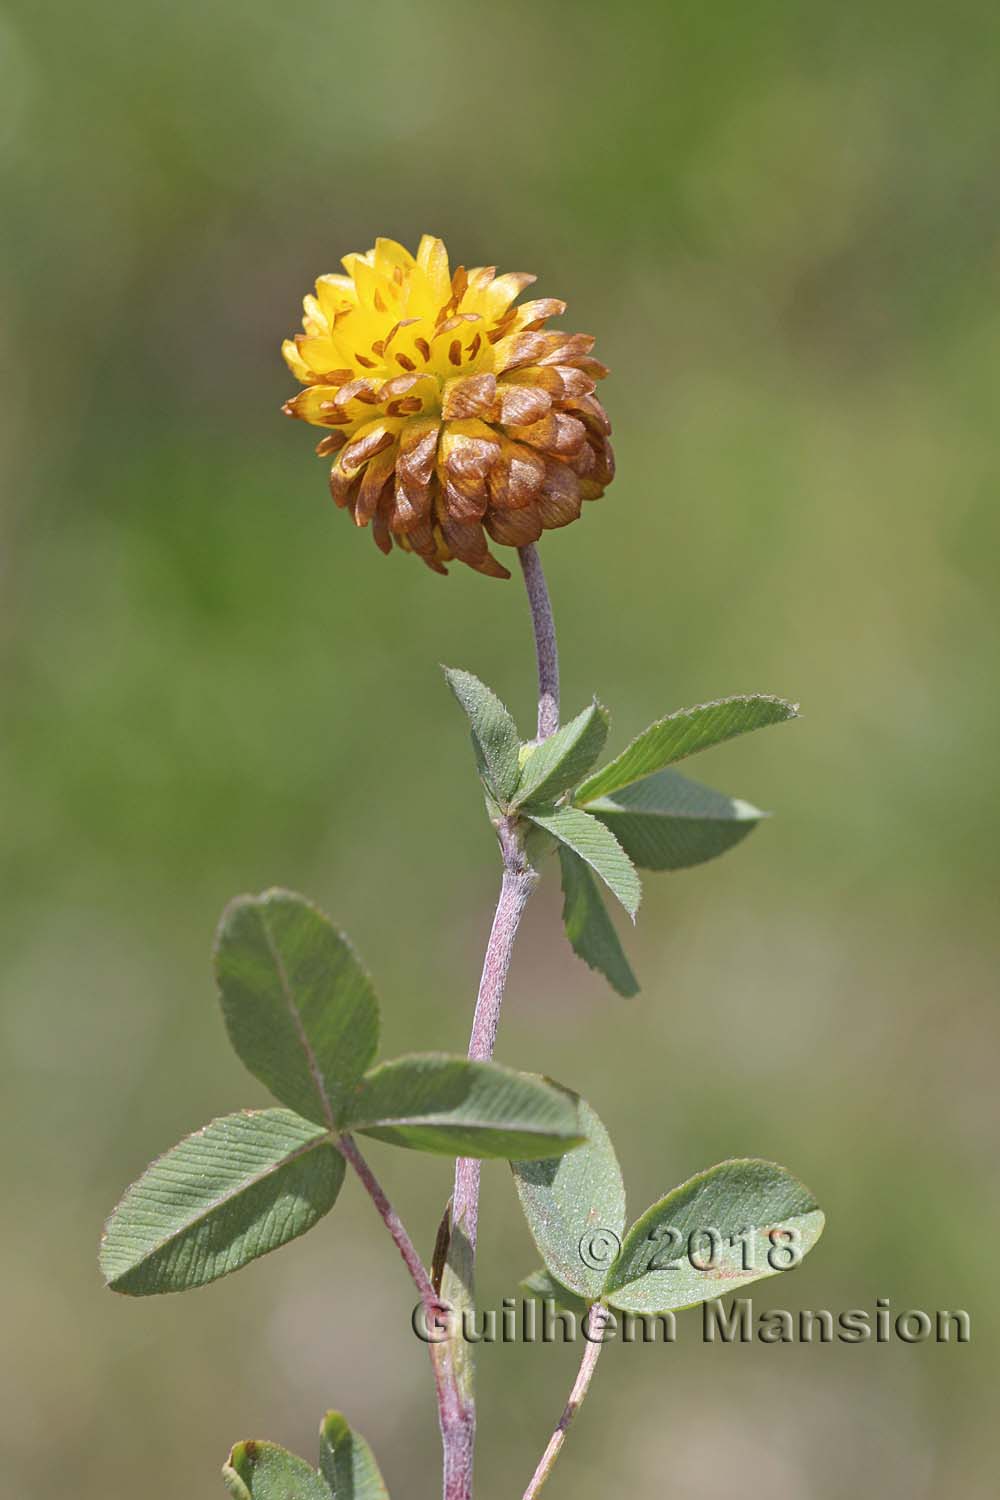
{"x":347,"y":1463}
{"x":263,"y":1471}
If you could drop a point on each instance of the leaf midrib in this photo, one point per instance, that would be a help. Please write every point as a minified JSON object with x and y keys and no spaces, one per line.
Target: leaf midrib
{"x":312,"y":1061}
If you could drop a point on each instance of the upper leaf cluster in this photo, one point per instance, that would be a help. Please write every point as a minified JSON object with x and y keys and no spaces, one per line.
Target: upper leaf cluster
{"x":634,"y":812}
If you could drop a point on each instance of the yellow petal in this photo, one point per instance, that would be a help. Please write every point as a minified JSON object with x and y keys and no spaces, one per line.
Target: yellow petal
{"x":316,"y":404}
{"x":389,"y":254}
{"x":503,"y":291}
{"x":335,"y":295}
{"x":295,"y":362}
{"x":432,"y":259}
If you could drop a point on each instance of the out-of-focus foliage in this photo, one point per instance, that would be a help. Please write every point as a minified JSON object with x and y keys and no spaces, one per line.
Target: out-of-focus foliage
{"x":781,"y":220}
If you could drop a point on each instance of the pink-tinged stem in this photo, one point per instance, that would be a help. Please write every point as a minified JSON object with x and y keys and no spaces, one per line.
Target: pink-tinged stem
{"x":516,"y":887}
{"x":450,"y":1414}
{"x":546,"y":649}
{"x":595,"y":1329}
{"x":519,"y":880}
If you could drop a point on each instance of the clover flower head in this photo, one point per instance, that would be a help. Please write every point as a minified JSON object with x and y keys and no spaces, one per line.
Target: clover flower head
{"x":453,"y":413}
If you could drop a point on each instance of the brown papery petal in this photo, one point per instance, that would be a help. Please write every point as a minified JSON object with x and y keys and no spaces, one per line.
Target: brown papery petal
{"x":365,"y":447}
{"x":411,"y":502}
{"x":533,"y":314}
{"x":468,"y":543}
{"x":420,"y":537}
{"x":584,"y":461}
{"x":515,"y":528}
{"x":560,"y":500}
{"x":526,"y":349}
{"x":591,"y":367}
{"x":517,"y":476}
{"x":471,"y":396}
{"x":573,"y":380}
{"x":466,"y":453}
{"x":491,"y":567}
{"x":465,"y":539}
{"x":605,"y":455}
{"x":521,"y":404}
{"x":545,"y":376}
{"x":373,"y":482}
{"x":418,"y":443}
{"x":590,"y":410}
{"x":568,"y":347}
{"x":468,"y":504}
{"x":342,"y":486}
{"x":332,"y":443}
{"x":556,"y":433}
{"x":380,"y":529}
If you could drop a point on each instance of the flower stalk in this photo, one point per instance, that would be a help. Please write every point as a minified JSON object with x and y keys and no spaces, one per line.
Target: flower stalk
{"x":517,"y":884}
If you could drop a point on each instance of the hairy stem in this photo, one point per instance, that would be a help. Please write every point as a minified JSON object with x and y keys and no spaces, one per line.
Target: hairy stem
{"x":515,"y":888}
{"x":594,"y":1331}
{"x":519,"y":880}
{"x":545,"y":641}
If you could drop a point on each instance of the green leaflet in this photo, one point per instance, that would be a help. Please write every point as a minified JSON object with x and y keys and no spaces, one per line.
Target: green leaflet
{"x":575,"y":1208}
{"x":733,"y":1224}
{"x":668,"y":822}
{"x":455,"y":1107}
{"x":347,"y":1463}
{"x":263,"y":1471}
{"x":598,"y":847}
{"x":239,"y":1188}
{"x":559,"y":761}
{"x":495,"y":740}
{"x":588,"y":926}
{"x":685,"y":733}
{"x":299,"y":1008}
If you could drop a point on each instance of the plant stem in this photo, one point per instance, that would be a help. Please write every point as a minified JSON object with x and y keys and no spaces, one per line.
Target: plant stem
{"x":519,"y":880}
{"x":348,"y":1149}
{"x":595,"y":1322}
{"x":515,"y":888}
{"x":545,"y":641}
{"x":450,"y":1412}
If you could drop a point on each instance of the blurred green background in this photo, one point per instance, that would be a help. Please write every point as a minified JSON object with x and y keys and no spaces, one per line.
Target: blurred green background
{"x":781,"y":222}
